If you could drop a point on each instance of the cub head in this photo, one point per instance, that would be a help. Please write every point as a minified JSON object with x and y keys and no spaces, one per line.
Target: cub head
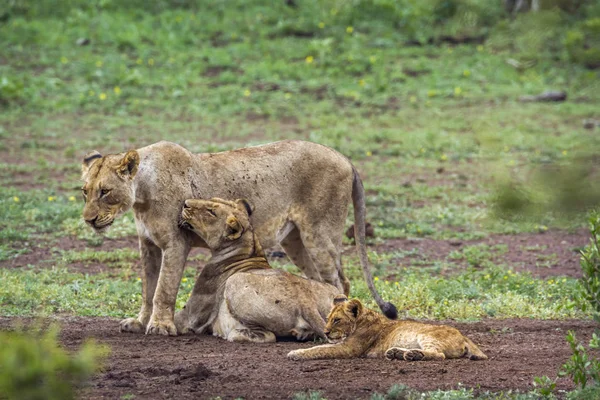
{"x":342,"y":319}
{"x":220,"y":223}
{"x":108,"y":187}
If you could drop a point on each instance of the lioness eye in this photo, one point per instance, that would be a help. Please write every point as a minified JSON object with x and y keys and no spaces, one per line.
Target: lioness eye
{"x":84,"y":191}
{"x":104,"y":192}
{"x":211,"y":212}
{"x":336,"y":320}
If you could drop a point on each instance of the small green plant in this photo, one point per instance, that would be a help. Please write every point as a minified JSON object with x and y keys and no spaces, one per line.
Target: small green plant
{"x":34,"y":366}
{"x":309,"y":395}
{"x":396,"y":392}
{"x":581,"y":367}
{"x":590,"y":264}
{"x":544,"y":386}
{"x":584,"y":369}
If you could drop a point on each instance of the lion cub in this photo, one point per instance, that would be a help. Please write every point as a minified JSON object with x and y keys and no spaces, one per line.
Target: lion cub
{"x":238,"y":296}
{"x":358,"y":331}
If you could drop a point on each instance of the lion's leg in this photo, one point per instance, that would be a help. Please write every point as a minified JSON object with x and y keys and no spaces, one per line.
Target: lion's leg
{"x":315,"y":324}
{"x":251,"y":335}
{"x":325,"y":351}
{"x":295,"y":250}
{"x":326,"y":258}
{"x":151,"y":256}
{"x":171,"y":270}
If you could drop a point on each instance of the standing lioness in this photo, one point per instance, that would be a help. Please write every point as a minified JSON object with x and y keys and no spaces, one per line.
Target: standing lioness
{"x":356,"y":331}
{"x":301,"y":192}
{"x":239,"y":297}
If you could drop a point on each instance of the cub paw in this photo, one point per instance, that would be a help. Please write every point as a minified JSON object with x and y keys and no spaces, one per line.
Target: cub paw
{"x":395,"y":353}
{"x":295,"y":355}
{"x":414,"y":355}
{"x":131,"y":325}
{"x":166,"y":328}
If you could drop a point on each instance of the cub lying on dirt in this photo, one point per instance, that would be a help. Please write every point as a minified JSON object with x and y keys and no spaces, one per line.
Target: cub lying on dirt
{"x":238,"y":296}
{"x":357,"y":331}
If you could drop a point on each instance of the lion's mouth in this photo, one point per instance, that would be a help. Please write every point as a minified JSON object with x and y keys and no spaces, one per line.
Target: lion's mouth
{"x":335,"y":340}
{"x":103,"y":227}
{"x":183,"y":223}
{"x":187,"y":225}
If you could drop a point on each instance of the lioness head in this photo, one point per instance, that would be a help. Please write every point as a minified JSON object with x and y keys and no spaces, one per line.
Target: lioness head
{"x":108,"y":187}
{"x":218,"y":222}
{"x":341,"y":321}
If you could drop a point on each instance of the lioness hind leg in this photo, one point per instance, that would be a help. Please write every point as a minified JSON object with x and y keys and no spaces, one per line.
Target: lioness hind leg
{"x":295,"y":250}
{"x":325,"y":257}
{"x":249,"y":335}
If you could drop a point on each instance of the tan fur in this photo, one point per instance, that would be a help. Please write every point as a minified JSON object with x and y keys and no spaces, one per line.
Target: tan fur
{"x":356,"y":331}
{"x":237,"y":295}
{"x":300,"y":190}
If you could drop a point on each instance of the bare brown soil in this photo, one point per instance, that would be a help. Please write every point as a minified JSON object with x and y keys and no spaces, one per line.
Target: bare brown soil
{"x":552,"y":253}
{"x":201,"y":367}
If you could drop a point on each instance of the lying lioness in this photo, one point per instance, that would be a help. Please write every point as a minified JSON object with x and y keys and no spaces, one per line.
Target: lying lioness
{"x":356,"y":331}
{"x":238,"y":296}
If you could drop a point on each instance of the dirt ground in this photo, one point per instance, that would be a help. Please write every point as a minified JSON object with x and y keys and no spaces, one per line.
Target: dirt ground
{"x":202,"y":367}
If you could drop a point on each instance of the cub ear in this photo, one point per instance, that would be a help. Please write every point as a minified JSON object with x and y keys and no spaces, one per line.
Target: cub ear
{"x":339,"y":298}
{"x":128,"y":166}
{"x":354,"y":307}
{"x":234,"y":228}
{"x":243,"y":204}
{"x":88,"y":160}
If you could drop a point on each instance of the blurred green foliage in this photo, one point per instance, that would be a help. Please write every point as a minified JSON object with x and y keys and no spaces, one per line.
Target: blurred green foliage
{"x":34,"y":367}
{"x":121,"y":52}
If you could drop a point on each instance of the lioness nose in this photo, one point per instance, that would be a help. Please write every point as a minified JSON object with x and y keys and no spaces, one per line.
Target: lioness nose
{"x":92,"y":221}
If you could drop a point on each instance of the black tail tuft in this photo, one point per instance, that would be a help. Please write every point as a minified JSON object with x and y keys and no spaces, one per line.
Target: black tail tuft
{"x":390,"y":310}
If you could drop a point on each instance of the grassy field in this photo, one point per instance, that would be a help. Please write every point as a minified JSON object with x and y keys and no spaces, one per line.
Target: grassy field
{"x":434,"y":127}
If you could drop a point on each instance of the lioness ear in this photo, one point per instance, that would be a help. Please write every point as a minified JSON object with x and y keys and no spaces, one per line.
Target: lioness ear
{"x":234,"y":228}
{"x":243,"y":204}
{"x":88,"y":160}
{"x":339,"y":298}
{"x":128,"y":166}
{"x":355,"y":307}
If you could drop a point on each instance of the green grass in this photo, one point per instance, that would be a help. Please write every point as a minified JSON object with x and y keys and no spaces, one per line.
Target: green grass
{"x":492,"y":292}
{"x":401,"y":392}
{"x":48,"y":292}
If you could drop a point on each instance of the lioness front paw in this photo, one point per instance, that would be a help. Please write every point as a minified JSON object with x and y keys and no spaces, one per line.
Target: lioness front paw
{"x":132,"y":325}
{"x":296,"y":355}
{"x":166,"y":328}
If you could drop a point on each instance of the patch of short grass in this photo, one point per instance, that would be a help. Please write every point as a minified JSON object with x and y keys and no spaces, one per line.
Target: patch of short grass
{"x":114,"y":258}
{"x":489,"y":292}
{"x":56,"y":291}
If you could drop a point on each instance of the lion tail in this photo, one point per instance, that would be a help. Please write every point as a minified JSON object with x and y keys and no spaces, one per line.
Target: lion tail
{"x":473,"y":351}
{"x":358,"y":200}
